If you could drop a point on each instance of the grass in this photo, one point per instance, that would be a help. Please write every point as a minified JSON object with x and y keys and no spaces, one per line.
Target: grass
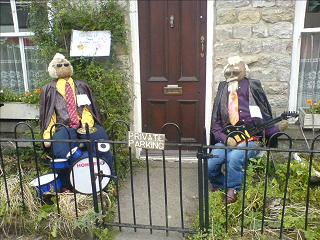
{"x":294,"y":219}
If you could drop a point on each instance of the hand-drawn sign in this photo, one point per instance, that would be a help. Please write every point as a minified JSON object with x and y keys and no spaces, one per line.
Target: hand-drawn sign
{"x":90,"y":43}
{"x":146,"y":140}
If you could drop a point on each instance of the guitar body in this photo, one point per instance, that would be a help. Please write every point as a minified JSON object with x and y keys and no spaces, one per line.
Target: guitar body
{"x":239,"y":133}
{"x":243,"y":133}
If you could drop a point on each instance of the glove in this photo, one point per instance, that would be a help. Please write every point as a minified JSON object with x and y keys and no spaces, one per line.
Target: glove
{"x":231,"y":142}
{"x":283,"y":125}
{"x":47,"y":144}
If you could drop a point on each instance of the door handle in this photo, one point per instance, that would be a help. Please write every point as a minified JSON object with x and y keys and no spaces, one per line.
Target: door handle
{"x":202,"y":41}
{"x":171,"y":21}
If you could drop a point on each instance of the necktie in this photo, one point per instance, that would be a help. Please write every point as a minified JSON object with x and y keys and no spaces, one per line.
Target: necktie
{"x":233,"y":107}
{"x":72,"y":108}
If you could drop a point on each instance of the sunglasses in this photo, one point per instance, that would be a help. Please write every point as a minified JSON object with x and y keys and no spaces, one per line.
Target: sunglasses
{"x":65,"y":64}
{"x":229,"y":73}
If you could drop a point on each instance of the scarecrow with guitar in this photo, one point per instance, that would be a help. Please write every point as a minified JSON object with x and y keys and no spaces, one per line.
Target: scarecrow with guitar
{"x":241,"y":115}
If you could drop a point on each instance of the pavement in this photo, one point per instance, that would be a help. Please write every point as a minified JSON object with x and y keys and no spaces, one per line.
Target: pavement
{"x":156,"y":171}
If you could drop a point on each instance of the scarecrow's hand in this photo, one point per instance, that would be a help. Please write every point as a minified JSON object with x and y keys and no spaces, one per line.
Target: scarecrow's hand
{"x":283,"y":125}
{"x":231,"y":142}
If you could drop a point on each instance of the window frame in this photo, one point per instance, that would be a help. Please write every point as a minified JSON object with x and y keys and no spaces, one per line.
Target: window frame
{"x":300,"y":10}
{"x":21,"y":36}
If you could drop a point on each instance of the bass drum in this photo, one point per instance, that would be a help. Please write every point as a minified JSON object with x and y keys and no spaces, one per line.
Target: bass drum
{"x":82,"y":179}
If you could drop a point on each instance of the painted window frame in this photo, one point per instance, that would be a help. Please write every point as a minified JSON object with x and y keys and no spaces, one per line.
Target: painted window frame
{"x":21,"y":36}
{"x":300,"y":10}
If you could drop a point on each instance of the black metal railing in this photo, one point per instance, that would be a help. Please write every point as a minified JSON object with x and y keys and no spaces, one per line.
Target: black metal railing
{"x":309,"y":155}
{"x":202,"y":154}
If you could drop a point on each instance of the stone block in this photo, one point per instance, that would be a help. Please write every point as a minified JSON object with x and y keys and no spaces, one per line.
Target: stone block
{"x":223,"y":32}
{"x":283,"y":74}
{"x":232,"y":3}
{"x":260,"y":31}
{"x":257,"y":60}
{"x":263,"y":74}
{"x":276,"y":88}
{"x":278,"y":60}
{"x":281,"y":30}
{"x":263,"y":3}
{"x":274,"y":15}
{"x":285,"y":3}
{"x":227,"y":47}
{"x":249,"y":16}
{"x":272,"y":45}
{"x":277,"y":101}
{"x":226,"y":16}
{"x":220,"y":61}
{"x":250,"y":59}
{"x":267,"y":74}
{"x":218,"y":75}
{"x":251,"y":46}
{"x":241,"y":31}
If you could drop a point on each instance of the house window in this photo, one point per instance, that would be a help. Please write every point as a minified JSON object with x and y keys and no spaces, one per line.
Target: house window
{"x":19,"y":65}
{"x":309,"y":69}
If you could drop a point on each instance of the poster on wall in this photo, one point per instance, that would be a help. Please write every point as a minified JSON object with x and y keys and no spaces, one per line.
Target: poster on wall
{"x":90,"y":43}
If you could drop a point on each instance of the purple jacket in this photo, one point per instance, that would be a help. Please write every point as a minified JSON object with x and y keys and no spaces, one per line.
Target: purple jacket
{"x":220,"y":118}
{"x":48,"y":96}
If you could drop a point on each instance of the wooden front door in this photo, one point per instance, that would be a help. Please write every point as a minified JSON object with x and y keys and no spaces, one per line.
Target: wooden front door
{"x":173,"y":64}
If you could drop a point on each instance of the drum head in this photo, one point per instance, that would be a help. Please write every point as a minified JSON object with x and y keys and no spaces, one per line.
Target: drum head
{"x":45,"y":179}
{"x":81,"y":172}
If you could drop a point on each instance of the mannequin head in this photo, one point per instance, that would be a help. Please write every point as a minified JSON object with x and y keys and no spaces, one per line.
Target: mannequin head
{"x":235,"y":70}
{"x":60,"y":67}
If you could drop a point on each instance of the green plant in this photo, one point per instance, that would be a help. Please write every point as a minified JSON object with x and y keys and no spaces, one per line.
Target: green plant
{"x":28,"y":97}
{"x":107,"y":79}
{"x":54,"y":35}
{"x":295,"y":206}
{"x":314,"y":106}
{"x":109,"y":82}
{"x":38,"y":219}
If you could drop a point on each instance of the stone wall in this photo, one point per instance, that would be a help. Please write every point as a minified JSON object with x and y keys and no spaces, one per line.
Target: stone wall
{"x":260,"y":31}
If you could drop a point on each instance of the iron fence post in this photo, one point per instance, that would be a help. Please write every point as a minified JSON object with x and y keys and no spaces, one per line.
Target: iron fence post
{"x":92,"y":175}
{"x":200,"y":188}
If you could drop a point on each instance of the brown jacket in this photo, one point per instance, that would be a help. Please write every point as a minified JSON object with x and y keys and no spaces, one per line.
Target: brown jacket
{"x":48,"y":96}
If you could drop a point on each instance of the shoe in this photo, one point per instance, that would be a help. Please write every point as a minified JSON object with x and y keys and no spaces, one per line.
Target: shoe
{"x":231,"y":196}
{"x":66,"y":190}
{"x":214,"y":189}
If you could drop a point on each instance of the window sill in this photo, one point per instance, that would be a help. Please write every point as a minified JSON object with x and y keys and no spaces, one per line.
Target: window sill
{"x":19,"y":111}
{"x":309,"y":120}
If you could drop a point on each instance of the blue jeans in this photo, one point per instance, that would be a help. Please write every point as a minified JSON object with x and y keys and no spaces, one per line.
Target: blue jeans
{"x":61,"y":149}
{"x":236,"y":163}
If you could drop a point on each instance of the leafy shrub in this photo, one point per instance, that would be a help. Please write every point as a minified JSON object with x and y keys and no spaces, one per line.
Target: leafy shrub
{"x":106,"y":77}
{"x":29,"y":97}
{"x":295,"y":206}
{"x":108,"y":81}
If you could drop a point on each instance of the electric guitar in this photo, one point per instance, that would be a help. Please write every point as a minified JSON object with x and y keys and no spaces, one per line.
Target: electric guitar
{"x":242,"y":133}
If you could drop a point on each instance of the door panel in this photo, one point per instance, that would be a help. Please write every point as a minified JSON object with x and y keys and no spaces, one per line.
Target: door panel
{"x":157,"y":113}
{"x":172,"y":58}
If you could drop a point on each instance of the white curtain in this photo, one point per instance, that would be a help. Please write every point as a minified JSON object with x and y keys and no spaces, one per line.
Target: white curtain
{"x":35,"y":68}
{"x":309,"y":76}
{"x":10,"y":65}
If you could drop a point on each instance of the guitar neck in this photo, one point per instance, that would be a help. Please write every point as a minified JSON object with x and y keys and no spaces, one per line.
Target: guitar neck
{"x":254,"y":130}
